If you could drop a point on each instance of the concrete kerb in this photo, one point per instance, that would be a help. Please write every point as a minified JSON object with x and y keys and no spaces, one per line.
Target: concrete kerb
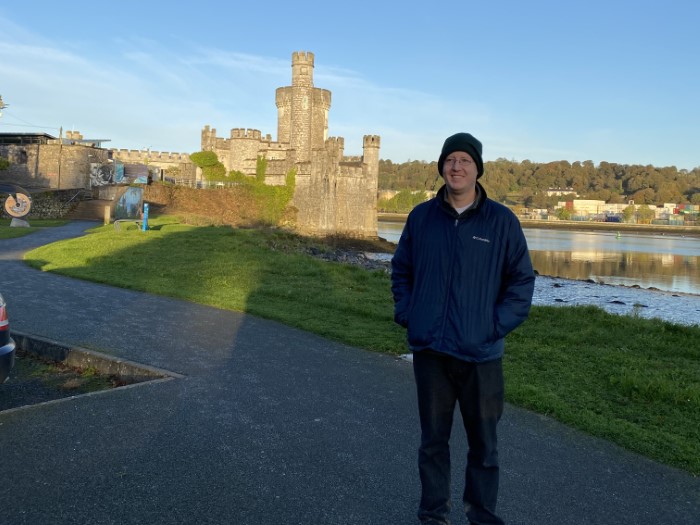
{"x":83,"y":358}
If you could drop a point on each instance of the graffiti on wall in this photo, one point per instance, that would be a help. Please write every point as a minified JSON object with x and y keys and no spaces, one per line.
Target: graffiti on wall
{"x":101,"y":174}
{"x":129,"y":204}
{"x":119,"y":173}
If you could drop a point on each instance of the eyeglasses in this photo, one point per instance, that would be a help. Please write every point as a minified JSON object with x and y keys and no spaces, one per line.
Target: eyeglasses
{"x":458,"y":162}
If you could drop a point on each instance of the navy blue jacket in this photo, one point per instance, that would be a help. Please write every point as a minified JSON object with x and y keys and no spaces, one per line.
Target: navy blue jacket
{"x":461,"y":283}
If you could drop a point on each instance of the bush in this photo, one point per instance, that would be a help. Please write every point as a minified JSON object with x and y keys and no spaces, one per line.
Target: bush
{"x":402,"y":202}
{"x":204,"y":159}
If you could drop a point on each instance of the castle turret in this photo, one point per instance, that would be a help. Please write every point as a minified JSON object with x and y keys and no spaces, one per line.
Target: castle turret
{"x":303,"y":69}
{"x":283,"y":99}
{"x":370,"y":155}
{"x":370,"y":172}
{"x":208,"y":138}
{"x":301,"y":105}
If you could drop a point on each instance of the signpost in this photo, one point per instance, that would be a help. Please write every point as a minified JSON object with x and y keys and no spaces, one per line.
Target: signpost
{"x":144,"y":224}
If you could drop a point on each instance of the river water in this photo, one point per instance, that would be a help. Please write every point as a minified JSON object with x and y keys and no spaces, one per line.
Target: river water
{"x":650,"y":275}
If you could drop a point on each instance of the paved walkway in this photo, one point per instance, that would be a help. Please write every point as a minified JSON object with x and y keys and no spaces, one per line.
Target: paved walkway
{"x":269,"y":426}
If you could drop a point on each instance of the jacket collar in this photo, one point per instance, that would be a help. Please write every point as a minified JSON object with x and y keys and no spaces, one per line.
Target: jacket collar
{"x":447,"y":207}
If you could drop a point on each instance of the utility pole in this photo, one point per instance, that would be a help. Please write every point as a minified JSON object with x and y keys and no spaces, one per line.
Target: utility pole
{"x":60,"y":151}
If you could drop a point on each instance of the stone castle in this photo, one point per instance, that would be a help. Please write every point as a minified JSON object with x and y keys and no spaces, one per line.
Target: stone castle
{"x":334,"y":193}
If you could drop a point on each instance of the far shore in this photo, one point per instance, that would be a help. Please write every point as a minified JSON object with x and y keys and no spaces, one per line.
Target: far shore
{"x":693,"y":231}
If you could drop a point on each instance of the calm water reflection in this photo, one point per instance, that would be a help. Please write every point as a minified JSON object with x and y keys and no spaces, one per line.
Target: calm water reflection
{"x":666,"y":262}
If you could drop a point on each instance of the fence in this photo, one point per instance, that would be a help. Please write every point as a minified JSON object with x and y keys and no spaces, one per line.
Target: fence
{"x":201,"y":184}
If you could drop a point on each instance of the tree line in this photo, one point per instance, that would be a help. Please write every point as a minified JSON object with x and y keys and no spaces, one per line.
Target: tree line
{"x":526,"y":183}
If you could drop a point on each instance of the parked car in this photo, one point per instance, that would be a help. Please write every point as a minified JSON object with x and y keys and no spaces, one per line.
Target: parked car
{"x":7,"y":345}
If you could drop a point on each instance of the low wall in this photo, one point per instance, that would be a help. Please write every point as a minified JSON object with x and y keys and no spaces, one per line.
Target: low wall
{"x":612,"y":226}
{"x":581,"y":225}
{"x":52,"y":204}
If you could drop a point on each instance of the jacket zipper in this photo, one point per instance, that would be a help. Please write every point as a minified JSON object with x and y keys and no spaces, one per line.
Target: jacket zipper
{"x":446,"y":308}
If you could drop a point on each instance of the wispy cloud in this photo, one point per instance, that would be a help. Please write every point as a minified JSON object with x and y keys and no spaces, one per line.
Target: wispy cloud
{"x":147,"y":92}
{"x":148,"y":95}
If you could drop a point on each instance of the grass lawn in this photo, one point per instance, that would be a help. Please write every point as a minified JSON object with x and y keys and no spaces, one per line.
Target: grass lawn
{"x":6,"y":232}
{"x":633,"y":381}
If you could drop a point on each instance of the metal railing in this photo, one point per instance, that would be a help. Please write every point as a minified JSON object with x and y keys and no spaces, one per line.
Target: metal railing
{"x":201,"y":184}
{"x":76,"y":196}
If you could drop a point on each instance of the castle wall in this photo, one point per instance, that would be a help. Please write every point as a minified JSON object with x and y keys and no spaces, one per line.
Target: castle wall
{"x":368,"y":192}
{"x":54,"y":165}
{"x":334,"y":193}
{"x":220,"y":146}
{"x":245,"y":147}
{"x":350,"y":212}
{"x":60,"y":165}
{"x":300,"y":138}
{"x":283,"y":100}
{"x":319,"y":117}
{"x":338,"y":196}
{"x":276,"y":173}
{"x":310,"y":195}
{"x":177,"y":163}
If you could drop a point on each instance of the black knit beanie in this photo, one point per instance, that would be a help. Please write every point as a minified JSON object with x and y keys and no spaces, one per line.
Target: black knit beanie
{"x":463,"y":142}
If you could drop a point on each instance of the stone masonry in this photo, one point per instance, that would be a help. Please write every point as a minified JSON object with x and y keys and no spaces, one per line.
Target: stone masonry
{"x":55,"y":165}
{"x":334,"y":194}
{"x":66,"y":163}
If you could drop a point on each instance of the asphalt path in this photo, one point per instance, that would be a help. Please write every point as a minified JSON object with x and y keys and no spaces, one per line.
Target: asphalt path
{"x":269,"y":426}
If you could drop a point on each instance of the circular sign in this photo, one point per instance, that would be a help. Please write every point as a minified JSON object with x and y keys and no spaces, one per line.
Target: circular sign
{"x":18,"y":206}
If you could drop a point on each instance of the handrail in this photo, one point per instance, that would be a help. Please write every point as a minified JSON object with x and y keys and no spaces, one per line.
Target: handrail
{"x":74,"y":196}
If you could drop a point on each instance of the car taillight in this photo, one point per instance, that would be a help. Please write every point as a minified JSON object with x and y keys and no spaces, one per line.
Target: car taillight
{"x":4,"y":322}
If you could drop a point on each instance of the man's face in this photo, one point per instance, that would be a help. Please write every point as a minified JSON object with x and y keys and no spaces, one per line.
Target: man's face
{"x":459,"y":171}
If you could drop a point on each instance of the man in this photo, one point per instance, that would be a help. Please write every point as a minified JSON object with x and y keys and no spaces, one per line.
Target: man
{"x":461,"y":280}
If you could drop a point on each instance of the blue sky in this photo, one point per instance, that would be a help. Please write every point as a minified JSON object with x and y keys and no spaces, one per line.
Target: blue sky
{"x":613,"y":80}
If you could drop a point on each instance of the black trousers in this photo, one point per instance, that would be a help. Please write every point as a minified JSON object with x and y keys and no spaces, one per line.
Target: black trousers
{"x":441,"y":382}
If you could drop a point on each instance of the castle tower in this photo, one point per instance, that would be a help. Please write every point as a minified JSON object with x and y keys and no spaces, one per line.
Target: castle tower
{"x":283,"y":101}
{"x":333,"y":193}
{"x":303,"y":69}
{"x":302,"y":109}
{"x":370,"y":172}
{"x":302,"y":101}
{"x":370,"y":156}
{"x":208,"y":138}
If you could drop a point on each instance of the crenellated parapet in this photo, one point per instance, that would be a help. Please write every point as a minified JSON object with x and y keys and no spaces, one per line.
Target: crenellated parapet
{"x":351,"y":170}
{"x":145,"y":156}
{"x":73,"y":135}
{"x":209,"y":138}
{"x":302,"y":69}
{"x":371,"y":141}
{"x":217,"y":144}
{"x":208,"y":132}
{"x":336,"y":145}
{"x":322,"y":98}
{"x":303,"y":58}
{"x":244,"y":133}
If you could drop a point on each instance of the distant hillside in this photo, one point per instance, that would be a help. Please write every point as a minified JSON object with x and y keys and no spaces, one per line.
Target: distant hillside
{"x":527,"y":182}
